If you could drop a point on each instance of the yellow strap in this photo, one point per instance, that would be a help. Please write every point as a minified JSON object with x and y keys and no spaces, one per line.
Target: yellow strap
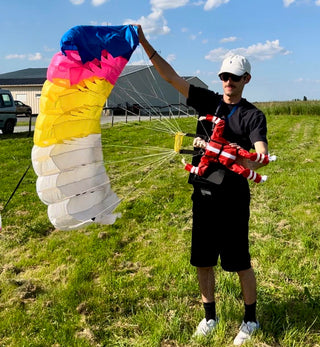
{"x":178,"y":141}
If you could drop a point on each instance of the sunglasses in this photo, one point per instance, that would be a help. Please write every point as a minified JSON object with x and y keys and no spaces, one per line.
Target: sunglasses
{"x":225,"y":77}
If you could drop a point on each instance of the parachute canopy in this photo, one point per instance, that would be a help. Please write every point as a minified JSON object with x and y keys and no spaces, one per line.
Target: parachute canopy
{"x":67,"y":152}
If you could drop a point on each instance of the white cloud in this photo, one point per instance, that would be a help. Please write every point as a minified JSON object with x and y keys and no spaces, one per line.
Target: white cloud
{"x":170,"y":58}
{"x":167,"y":4}
{"x":198,"y":3}
{"x":266,"y":50}
{"x":98,"y":2}
{"x":15,"y":56}
{"x":48,"y":49}
{"x":228,"y":39}
{"x":93,"y":2}
{"x":210,"y":4}
{"x":154,"y":24}
{"x":306,"y":80}
{"x":287,"y":3}
{"x":77,"y":2}
{"x":259,"y":51}
{"x":195,"y":36}
{"x":34,"y":56}
{"x":216,"y":55}
{"x":94,"y":22}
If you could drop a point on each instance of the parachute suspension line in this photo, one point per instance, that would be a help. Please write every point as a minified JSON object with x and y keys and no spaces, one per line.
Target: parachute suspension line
{"x":16,"y":188}
{"x":146,"y":99}
{"x":170,"y":123}
{"x":155,"y":165}
{"x":137,"y":147}
{"x":162,"y":95}
{"x":163,"y":126}
{"x":163,"y":98}
{"x":154,"y":93}
{"x":204,"y":129}
{"x":157,"y":127}
{"x":177,"y":131}
{"x":145,"y":166}
{"x":147,"y":103}
{"x":153,"y":76}
{"x":12,"y":194}
{"x":140,"y":157}
{"x":160,"y":164}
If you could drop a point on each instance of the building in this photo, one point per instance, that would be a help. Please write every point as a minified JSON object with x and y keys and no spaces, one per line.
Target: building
{"x":139,"y":87}
{"x":25,"y":85}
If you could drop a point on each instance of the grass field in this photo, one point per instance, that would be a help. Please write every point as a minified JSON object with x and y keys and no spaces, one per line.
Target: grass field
{"x":131,"y":284}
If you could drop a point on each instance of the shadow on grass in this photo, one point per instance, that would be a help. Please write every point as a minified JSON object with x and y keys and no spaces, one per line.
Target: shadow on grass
{"x":20,"y":135}
{"x":299,"y":313}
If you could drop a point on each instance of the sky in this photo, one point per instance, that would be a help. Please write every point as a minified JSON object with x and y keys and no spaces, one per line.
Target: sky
{"x":279,"y":37}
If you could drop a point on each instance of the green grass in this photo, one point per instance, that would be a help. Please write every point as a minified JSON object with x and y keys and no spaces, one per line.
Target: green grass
{"x":131,"y":284}
{"x":291,"y":108}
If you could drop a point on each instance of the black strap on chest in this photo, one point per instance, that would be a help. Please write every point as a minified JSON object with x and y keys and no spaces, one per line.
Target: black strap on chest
{"x":206,"y":137}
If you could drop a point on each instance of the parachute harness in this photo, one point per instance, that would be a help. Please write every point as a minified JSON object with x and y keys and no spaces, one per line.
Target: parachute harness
{"x":178,"y":141}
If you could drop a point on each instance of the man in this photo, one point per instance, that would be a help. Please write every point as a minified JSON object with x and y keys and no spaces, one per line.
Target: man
{"x":221,"y":198}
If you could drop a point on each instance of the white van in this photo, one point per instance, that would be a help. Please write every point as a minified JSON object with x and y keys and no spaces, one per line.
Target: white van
{"x":8,"y":116}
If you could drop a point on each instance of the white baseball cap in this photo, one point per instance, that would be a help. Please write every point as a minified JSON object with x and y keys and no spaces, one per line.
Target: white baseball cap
{"x":236,"y":65}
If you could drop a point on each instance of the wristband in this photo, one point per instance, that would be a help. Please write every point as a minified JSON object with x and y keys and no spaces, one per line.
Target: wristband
{"x":153,"y":54}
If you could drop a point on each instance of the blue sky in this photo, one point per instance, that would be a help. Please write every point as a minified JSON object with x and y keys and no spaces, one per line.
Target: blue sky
{"x":280,"y":37}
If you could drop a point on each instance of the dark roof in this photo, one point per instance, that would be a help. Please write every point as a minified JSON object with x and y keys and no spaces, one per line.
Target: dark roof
{"x":25,"y":76}
{"x":39,"y":75}
{"x":129,"y":69}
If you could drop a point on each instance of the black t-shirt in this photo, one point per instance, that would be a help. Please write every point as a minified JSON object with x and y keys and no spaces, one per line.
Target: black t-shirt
{"x":245,"y":124}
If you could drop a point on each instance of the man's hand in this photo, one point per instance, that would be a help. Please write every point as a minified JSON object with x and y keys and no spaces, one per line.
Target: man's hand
{"x":199,"y":143}
{"x":242,"y":161}
{"x":142,"y":38}
{"x":260,"y":147}
{"x":245,"y":163}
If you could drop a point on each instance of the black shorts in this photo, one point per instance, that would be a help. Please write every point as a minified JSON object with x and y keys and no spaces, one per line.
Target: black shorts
{"x":221,"y":224}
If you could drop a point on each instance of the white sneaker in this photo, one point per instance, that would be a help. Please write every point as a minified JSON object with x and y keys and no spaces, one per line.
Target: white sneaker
{"x":245,"y":332}
{"x":205,"y":328}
